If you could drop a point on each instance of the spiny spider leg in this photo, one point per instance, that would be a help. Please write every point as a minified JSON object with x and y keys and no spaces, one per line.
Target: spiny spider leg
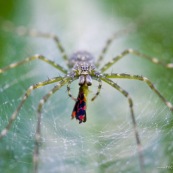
{"x":134,"y":52}
{"x":125,"y":93}
{"x":35,"y":57}
{"x":26,"y":95}
{"x":144,"y":79}
{"x":23,"y":31}
{"x":39,"y":111}
{"x":110,"y":40}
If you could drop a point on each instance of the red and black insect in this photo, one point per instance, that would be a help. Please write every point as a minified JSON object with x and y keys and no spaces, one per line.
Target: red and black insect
{"x":79,"y":110}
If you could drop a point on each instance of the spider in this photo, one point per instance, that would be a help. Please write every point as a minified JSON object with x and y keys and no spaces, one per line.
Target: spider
{"x":81,"y":66}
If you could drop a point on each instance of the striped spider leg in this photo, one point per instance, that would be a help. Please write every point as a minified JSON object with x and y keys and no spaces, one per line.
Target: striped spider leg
{"x":63,"y":81}
{"x":13,"y":117}
{"x":138,"y":54}
{"x":143,"y":79}
{"x":120,"y":33}
{"x":105,"y":77}
{"x":8,"y":26}
{"x":24,"y":98}
{"x":32,"y":87}
{"x":130,"y":101}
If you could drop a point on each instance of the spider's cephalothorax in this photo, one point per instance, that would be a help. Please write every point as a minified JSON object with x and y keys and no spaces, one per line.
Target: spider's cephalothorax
{"x":83,"y":67}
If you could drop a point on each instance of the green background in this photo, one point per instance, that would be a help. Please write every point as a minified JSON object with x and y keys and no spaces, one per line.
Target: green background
{"x":105,"y":143}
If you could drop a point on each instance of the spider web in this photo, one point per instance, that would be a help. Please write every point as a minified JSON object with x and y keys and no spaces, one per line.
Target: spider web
{"x":106,"y":142}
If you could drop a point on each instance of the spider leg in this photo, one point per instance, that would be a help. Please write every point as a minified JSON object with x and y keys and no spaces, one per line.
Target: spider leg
{"x":29,"y":59}
{"x":137,"y":53}
{"x":98,"y":91}
{"x":144,"y":79}
{"x":130,"y":101}
{"x":26,"y":95}
{"x":38,"y":127}
{"x":69,"y":93}
{"x":109,"y":42}
{"x":23,"y":31}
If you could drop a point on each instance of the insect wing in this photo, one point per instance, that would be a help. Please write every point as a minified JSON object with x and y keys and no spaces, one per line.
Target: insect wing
{"x":79,"y":110}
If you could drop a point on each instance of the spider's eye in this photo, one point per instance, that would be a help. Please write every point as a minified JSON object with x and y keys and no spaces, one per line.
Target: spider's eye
{"x":84,"y":68}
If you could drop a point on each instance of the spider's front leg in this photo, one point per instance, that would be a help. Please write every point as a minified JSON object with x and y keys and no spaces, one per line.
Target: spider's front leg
{"x":32,"y":58}
{"x":143,"y":79}
{"x":111,"y":39}
{"x":136,"y":53}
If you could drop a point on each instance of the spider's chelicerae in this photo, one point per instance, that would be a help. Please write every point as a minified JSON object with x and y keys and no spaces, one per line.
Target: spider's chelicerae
{"x":81,"y":66}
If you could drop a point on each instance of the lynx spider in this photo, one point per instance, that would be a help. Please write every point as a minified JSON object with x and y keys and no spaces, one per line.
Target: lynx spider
{"x":80,"y":66}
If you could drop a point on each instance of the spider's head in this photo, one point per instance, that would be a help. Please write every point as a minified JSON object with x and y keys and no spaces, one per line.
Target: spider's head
{"x":83,"y":66}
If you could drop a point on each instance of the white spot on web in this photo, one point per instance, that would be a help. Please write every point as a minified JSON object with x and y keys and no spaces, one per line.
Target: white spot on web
{"x":169,"y":105}
{"x":4,"y":132}
{"x":170,"y":65}
{"x":155,"y":60}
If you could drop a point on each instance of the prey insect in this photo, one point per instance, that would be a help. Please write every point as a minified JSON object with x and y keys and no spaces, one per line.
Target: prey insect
{"x":79,"y":110}
{"x":82,"y":66}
